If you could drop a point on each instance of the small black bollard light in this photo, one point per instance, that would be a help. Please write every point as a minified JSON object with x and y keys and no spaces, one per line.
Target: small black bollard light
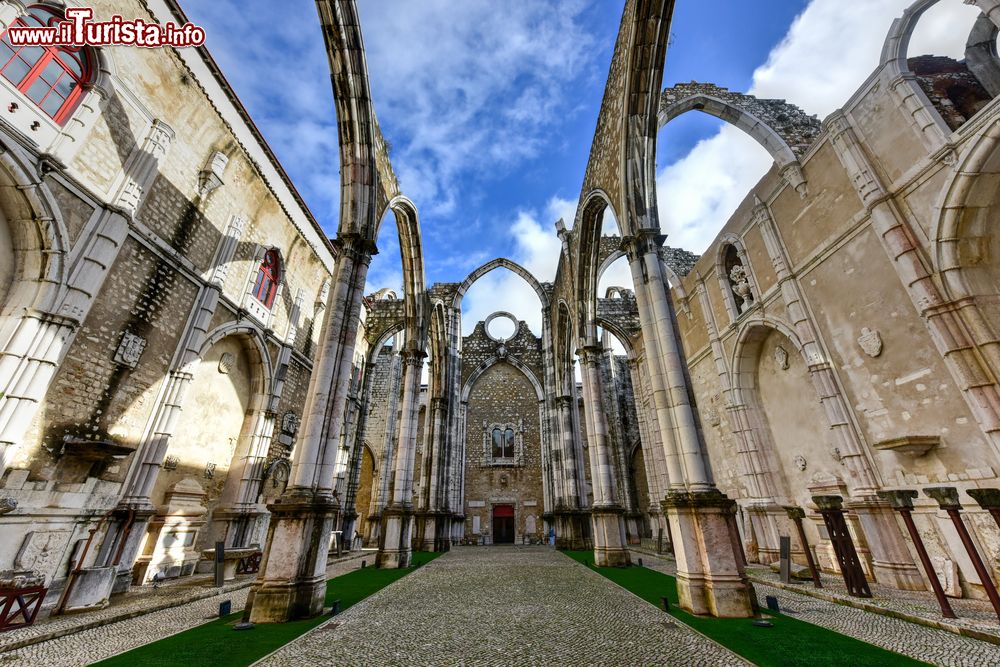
{"x":336,"y":608}
{"x":225,"y":608}
{"x":243,"y":626}
{"x":364,"y":564}
{"x":665,"y":602}
{"x":640,"y":562}
{"x":772,"y":603}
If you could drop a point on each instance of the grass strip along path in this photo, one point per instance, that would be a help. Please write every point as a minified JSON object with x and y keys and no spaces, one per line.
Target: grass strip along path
{"x":216,"y":643}
{"x":789,"y":642}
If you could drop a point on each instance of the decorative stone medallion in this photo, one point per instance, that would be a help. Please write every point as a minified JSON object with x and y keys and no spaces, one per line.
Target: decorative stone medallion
{"x":290,"y":423}
{"x":712,"y":417}
{"x":209,"y":470}
{"x":800,"y":462}
{"x":226,"y":362}
{"x":7,"y":505}
{"x":870,"y":341}
{"x":781,"y":358}
{"x":130,"y":349}
{"x":170,"y":463}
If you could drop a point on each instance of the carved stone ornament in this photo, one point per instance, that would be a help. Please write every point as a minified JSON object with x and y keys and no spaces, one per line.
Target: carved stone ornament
{"x":209,"y":470}
{"x":290,"y":423}
{"x":741,"y":286}
{"x":7,"y":505}
{"x":800,"y":462}
{"x":130,"y":349}
{"x":226,"y":362}
{"x":170,"y":463}
{"x":781,"y":358}
{"x":870,"y":341}
{"x":712,"y":417}
{"x":502,"y":352}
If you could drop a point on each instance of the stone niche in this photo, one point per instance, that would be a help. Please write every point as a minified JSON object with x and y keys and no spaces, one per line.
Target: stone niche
{"x":173,"y":533}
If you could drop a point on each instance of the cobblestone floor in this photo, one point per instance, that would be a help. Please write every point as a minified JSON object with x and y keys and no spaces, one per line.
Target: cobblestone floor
{"x":502,"y":606}
{"x":972,"y":614}
{"x":112,"y":638}
{"x":937,"y":647}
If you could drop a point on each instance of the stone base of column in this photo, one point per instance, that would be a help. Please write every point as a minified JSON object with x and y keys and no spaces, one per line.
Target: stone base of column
{"x":891,"y":558}
{"x":292,"y":582}
{"x":710,"y":579}
{"x":610,"y":549}
{"x":571,"y":529}
{"x":395,"y":542}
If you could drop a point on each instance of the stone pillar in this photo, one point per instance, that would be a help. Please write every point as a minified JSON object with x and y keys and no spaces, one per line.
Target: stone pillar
{"x":569,"y":516}
{"x":397,"y":519}
{"x":610,"y":547}
{"x":710,"y":578}
{"x":350,"y":514}
{"x":435,"y":450}
{"x":292,"y":580}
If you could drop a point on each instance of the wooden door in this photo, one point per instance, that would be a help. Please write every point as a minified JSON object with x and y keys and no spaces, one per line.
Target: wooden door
{"x":503,"y":524}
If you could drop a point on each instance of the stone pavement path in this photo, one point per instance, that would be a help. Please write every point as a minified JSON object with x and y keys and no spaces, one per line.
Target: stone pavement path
{"x":937,"y":647}
{"x":502,"y":606}
{"x":87,"y":646}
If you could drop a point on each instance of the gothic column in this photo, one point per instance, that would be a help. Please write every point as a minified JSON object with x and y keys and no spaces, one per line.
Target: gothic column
{"x":435,"y":454}
{"x":292,"y":581}
{"x":607,"y":518}
{"x":350,"y":513}
{"x":569,"y":517}
{"x":652,"y":453}
{"x":710,"y":577}
{"x":397,"y":519}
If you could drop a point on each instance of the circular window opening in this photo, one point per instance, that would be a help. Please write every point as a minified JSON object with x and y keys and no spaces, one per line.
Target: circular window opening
{"x":501,"y":326}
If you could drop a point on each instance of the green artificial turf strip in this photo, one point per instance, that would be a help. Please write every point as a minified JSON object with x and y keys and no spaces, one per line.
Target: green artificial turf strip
{"x":789,"y":642}
{"x":217,"y":644}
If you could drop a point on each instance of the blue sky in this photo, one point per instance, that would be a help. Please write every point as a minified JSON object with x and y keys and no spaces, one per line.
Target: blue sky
{"x":490,"y":107}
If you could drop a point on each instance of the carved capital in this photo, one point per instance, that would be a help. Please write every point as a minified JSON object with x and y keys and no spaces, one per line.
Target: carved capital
{"x":899,"y":499}
{"x":946,"y":497}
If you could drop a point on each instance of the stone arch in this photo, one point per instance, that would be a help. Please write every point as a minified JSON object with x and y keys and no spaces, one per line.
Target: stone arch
{"x":411,"y":251}
{"x":964,"y":240}
{"x":356,"y":127}
{"x":39,"y":241}
{"x":751,"y":334}
{"x":438,"y":339}
{"x":588,"y":271}
{"x":783,"y":129}
{"x":927,"y":121}
{"x":981,"y":54}
{"x":499,"y":262}
{"x":255,"y":338}
{"x":494,"y":360}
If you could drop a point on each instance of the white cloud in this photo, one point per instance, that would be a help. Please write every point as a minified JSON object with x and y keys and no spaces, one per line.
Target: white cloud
{"x":827,"y":54}
{"x":470,"y":89}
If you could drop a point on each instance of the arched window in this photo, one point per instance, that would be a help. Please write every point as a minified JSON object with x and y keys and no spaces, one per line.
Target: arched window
{"x":268,"y":277}
{"x":503,"y":444}
{"x":53,"y":77}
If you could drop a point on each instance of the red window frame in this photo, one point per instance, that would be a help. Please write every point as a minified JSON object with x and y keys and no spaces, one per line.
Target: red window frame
{"x":268,"y":277}
{"x":55,"y":78}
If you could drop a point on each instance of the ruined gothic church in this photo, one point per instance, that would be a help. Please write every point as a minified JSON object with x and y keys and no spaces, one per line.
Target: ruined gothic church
{"x":187,"y":358}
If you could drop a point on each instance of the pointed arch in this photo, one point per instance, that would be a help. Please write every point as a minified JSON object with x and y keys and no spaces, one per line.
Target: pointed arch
{"x":784,"y":144}
{"x":498,"y":263}
{"x":748,"y":341}
{"x":493,"y":361}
